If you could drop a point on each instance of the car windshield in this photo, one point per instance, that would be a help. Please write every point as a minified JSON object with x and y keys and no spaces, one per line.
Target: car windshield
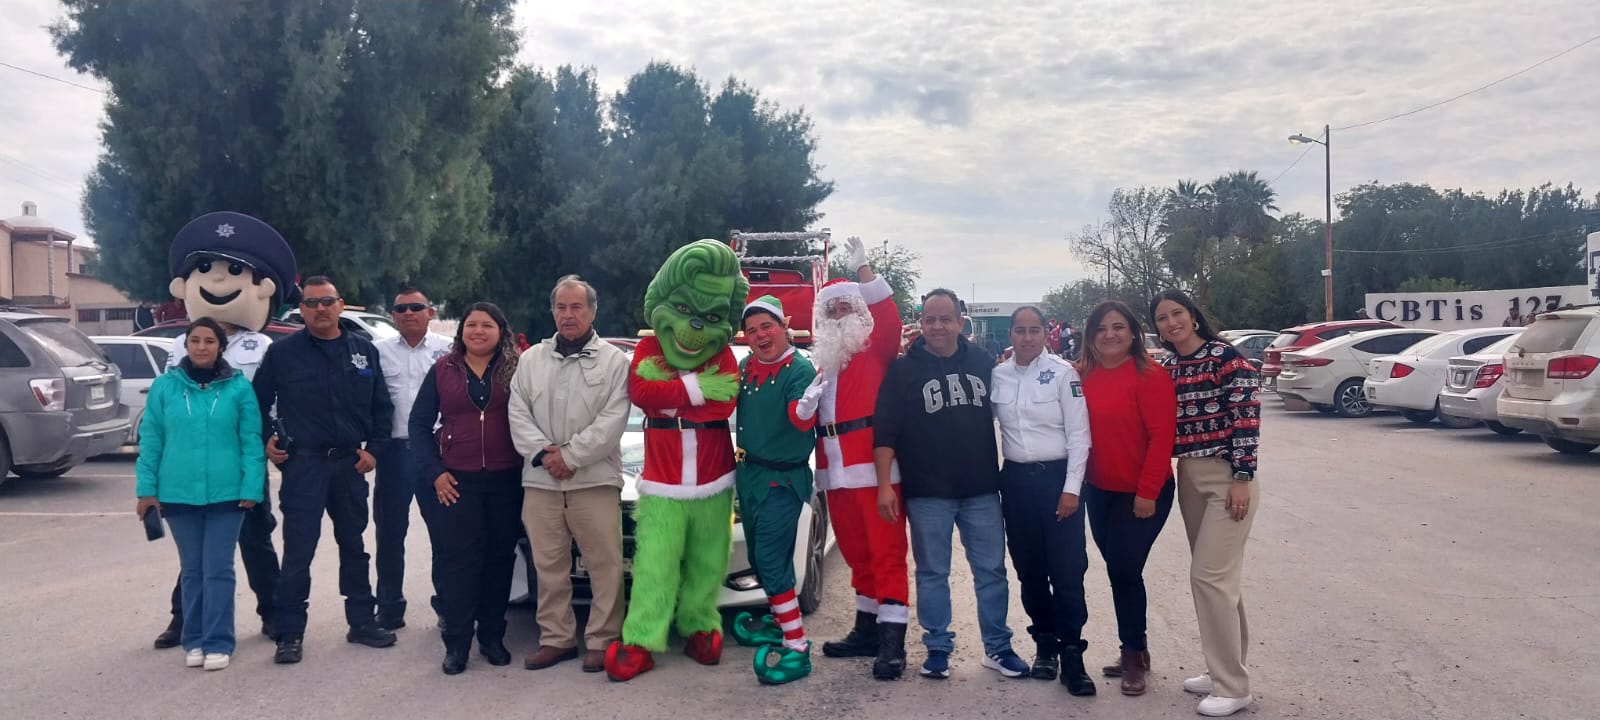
{"x":1284,"y":339}
{"x":1549,"y":335}
{"x":64,"y":342}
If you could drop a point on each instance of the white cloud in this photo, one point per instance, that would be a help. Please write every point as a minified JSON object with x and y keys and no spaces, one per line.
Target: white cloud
{"x":981,"y":134}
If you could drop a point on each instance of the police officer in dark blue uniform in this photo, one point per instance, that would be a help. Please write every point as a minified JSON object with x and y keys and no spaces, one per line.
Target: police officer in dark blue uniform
{"x":333,"y":418}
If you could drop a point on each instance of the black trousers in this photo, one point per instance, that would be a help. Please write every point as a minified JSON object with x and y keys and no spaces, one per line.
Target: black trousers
{"x":313,"y":485}
{"x":399,"y":479}
{"x":475,"y":545}
{"x":1049,"y":554}
{"x":1125,"y":543}
{"x":259,"y":556}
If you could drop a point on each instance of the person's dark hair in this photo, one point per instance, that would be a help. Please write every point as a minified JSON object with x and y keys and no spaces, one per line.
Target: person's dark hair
{"x":1027,"y":308}
{"x":406,"y":288}
{"x":317,"y":280}
{"x":961,"y":308}
{"x":1203,"y":325}
{"x":506,"y":350}
{"x":215,"y":327}
{"x":1091,"y":358}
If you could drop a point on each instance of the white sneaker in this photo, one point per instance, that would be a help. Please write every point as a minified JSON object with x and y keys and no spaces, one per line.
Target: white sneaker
{"x":217,"y":661}
{"x":1216,"y":706}
{"x":195,"y":658}
{"x":1199,"y":684}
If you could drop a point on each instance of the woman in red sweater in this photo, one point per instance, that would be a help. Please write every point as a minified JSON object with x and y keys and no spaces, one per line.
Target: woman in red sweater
{"x":1129,"y":490}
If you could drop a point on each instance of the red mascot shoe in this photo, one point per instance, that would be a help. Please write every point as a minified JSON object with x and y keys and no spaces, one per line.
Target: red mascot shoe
{"x":705,"y":647}
{"x":626,"y":662}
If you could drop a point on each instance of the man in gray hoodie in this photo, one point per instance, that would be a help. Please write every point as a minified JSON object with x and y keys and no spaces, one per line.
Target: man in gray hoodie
{"x":569,"y":409}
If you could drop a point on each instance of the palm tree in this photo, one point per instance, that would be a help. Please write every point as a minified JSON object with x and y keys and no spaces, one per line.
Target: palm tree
{"x":1204,"y":222}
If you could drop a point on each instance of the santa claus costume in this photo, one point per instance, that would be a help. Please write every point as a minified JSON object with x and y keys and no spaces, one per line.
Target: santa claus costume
{"x":874,"y":548}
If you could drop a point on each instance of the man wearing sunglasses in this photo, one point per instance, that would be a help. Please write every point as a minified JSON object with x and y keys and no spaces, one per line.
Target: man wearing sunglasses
{"x":406,"y":360}
{"x":333,"y":417}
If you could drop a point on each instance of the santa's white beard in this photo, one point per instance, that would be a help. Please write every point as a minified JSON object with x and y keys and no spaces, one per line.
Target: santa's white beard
{"x":838,"y":340}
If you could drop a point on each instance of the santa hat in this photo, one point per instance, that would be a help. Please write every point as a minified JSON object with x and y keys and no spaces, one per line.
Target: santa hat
{"x":767,"y":304}
{"x":839,"y":288}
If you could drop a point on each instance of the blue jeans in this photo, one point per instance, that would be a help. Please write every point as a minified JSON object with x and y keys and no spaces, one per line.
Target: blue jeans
{"x":399,"y":479}
{"x":982,"y":528}
{"x":205,"y":536}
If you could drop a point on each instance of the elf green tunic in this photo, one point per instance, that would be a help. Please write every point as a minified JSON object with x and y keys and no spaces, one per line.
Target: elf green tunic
{"x":773,"y":475}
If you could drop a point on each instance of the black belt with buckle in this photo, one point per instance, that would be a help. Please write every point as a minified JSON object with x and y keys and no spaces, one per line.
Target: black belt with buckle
{"x":744,"y":457}
{"x":330,"y":453}
{"x":679,"y":424}
{"x":837,"y":429}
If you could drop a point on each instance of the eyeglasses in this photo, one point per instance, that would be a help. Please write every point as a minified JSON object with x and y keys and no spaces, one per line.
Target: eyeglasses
{"x":411,"y":308}
{"x":323,"y":301}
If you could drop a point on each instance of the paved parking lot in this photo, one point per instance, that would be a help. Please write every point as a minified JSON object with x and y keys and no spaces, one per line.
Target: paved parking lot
{"x":1395,"y":572}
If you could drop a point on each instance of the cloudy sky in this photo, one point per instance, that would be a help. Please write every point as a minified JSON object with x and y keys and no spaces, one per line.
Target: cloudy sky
{"x":981,"y":134}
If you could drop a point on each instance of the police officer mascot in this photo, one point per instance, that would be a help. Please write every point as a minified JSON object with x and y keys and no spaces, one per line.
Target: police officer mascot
{"x":234,"y":269}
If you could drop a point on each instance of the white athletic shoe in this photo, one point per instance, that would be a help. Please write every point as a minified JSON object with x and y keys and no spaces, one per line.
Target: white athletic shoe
{"x":1199,"y":684}
{"x":1215,"y":706}
{"x":194,"y":658}
{"x":217,"y":661}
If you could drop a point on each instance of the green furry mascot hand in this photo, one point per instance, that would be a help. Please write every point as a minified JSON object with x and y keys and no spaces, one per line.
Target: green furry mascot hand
{"x":654,"y":370}
{"x":718,"y":387}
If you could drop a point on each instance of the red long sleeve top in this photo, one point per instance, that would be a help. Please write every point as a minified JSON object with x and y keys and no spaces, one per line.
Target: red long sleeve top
{"x":1133,"y":418}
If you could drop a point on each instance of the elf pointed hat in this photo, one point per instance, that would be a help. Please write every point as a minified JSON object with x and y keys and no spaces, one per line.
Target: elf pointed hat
{"x":767,"y":304}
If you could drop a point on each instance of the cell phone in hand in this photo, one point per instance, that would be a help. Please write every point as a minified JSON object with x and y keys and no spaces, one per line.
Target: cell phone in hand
{"x":153,"y":529}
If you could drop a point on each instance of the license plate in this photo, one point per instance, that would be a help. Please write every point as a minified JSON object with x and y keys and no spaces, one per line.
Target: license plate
{"x":1529,"y":377}
{"x":1372,"y":394}
{"x":97,"y":393}
{"x":1458,"y":378}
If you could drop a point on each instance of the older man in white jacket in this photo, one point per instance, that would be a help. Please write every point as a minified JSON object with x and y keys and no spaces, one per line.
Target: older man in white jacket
{"x":569,"y":408}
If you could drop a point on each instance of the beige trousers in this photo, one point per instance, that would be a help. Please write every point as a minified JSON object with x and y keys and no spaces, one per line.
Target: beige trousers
{"x":1216,"y":568}
{"x":592,"y":517}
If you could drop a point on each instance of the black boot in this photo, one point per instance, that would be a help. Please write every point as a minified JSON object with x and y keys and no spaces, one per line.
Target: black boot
{"x":861,"y":642}
{"x":1073,"y":676}
{"x":1046,"y":661}
{"x":171,"y":636}
{"x":891,"y":662}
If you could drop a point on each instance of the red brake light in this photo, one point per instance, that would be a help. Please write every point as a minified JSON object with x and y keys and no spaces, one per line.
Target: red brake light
{"x":1488,"y":375}
{"x":1312,"y":362}
{"x":1400,"y":370}
{"x":1572,"y":367}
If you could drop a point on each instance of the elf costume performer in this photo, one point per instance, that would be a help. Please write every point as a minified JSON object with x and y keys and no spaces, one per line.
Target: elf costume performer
{"x":857,"y":333}
{"x":778,"y":396}
{"x":686,"y":381}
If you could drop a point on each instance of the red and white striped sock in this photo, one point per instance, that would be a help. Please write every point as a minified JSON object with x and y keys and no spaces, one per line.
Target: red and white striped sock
{"x":786,"y":610}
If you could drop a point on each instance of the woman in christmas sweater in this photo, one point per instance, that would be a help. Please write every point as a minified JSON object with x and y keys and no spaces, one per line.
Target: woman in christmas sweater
{"x":1219,"y":428}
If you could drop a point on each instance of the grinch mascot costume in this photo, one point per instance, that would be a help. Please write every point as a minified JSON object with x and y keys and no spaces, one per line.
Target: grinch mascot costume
{"x":778,"y":396}
{"x":686,"y":380}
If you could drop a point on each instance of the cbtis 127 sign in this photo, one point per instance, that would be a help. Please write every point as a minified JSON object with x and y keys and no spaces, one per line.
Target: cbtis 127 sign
{"x":1461,"y":310}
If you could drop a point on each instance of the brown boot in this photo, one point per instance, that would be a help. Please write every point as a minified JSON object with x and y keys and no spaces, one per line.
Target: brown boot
{"x":1135,"y":665}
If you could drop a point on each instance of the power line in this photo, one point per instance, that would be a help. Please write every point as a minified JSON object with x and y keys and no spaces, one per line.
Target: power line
{"x":52,"y":77}
{"x":32,"y":169}
{"x":1469,"y":92}
{"x":1286,"y":170}
{"x":1504,"y":243}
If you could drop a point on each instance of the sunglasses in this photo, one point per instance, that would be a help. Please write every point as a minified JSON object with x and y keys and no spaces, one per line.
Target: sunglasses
{"x":323,"y":301}
{"x":411,"y":308}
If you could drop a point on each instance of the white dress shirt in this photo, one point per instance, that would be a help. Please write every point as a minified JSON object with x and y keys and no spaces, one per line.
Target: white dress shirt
{"x":404,"y":367}
{"x":1043,"y":416}
{"x":245,"y":350}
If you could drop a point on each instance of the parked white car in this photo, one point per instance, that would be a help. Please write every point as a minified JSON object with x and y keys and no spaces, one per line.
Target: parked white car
{"x":1473,"y":384}
{"x":1552,"y":389}
{"x":1411,"y":381}
{"x":378,"y":326}
{"x":1329,"y":375}
{"x":141,"y":360}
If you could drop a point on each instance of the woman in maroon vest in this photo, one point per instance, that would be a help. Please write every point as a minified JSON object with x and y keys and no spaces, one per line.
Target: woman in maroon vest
{"x":478,"y":479}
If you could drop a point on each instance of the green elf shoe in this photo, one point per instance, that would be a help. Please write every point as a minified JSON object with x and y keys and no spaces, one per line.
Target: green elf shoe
{"x":791,"y":665}
{"x":750,"y":631}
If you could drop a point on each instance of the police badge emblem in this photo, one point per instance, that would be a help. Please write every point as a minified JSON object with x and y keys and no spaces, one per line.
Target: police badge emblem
{"x":358,"y":361}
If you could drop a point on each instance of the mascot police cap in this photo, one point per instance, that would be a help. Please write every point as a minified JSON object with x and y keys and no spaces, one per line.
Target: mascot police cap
{"x":237,"y":237}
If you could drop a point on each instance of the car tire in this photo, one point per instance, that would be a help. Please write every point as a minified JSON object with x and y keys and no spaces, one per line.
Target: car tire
{"x":1324,"y":409}
{"x":1350,"y":400}
{"x":1569,"y":447}
{"x":816,"y":553}
{"x":1420,"y":417}
{"x":1455,"y":422}
{"x":5,"y":458}
{"x":1501,"y":429}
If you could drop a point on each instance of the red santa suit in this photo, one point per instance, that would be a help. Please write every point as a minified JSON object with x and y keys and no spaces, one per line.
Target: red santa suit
{"x":666,"y":471}
{"x":874,"y":548}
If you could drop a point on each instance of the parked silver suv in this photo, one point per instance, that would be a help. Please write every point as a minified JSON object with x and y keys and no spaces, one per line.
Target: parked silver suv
{"x":59,"y":397}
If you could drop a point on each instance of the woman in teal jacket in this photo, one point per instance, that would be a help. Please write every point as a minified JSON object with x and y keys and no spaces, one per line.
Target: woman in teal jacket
{"x":201,"y":465}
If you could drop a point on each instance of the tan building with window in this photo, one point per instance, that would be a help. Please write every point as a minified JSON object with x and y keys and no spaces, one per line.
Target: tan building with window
{"x":42,"y":268}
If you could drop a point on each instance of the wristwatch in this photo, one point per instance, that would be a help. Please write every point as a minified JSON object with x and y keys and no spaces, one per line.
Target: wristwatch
{"x":1243,"y":476}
